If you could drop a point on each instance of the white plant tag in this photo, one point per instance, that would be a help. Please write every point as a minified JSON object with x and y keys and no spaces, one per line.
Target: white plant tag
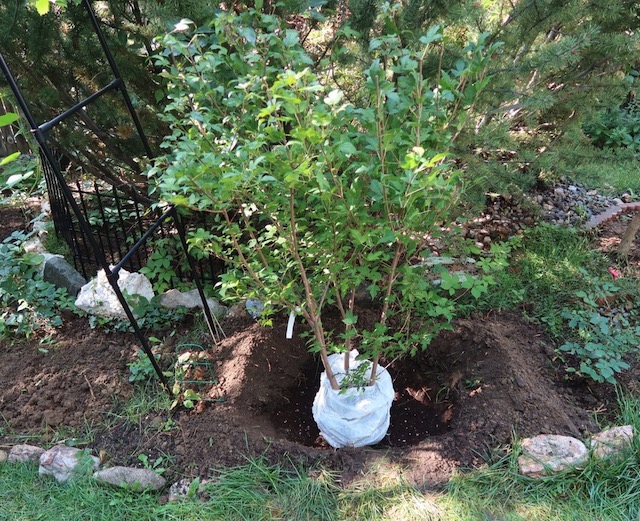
{"x":292,"y":319}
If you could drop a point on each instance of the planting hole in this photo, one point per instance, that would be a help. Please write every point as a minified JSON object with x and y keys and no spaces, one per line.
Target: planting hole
{"x":420,"y":409}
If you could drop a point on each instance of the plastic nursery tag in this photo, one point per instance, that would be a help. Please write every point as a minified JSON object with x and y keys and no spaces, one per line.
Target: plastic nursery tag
{"x":292,"y":319}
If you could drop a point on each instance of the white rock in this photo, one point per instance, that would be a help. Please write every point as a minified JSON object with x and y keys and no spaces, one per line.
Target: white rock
{"x":188,"y":488}
{"x":64,"y":463}
{"x":22,"y":453}
{"x":34,"y":245}
{"x":97,"y":296}
{"x":611,"y":441}
{"x":548,"y":453}
{"x":130,"y":478}
{"x":3,"y":456}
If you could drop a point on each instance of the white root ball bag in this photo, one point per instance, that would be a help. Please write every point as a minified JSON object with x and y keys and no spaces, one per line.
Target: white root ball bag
{"x":357,"y":417}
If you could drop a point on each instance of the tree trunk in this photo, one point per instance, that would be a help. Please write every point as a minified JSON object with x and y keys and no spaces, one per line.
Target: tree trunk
{"x":629,"y":236}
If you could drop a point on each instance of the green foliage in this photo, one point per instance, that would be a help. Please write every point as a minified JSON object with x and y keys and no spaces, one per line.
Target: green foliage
{"x":555,"y":277}
{"x":22,"y":175}
{"x":559,"y":66}
{"x":313,"y":196}
{"x":55,"y":52}
{"x":28,"y":303}
{"x":544,"y":273}
{"x":355,"y":377}
{"x":158,"y":465}
{"x":601,"y":339}
{"x":141,"y":369}
{"x":160,"y":266}
{"x":150,"y":315}
{"x":602,"y":344}
{"x":617,"y":128}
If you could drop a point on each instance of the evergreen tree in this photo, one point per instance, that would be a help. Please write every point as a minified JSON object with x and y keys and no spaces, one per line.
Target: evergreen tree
{"x":560,"y":64}
{"x":58,"y":62}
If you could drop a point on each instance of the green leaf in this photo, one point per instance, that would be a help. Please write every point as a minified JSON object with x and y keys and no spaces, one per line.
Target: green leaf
{"x":477,"y":291}
{"x":347,"y":148}
{"x":8,"y":159}
{"x":388,"y":237}
{"x":291,"y":38}
{"x":350,"y":319}
{"x":8,"y":118}
{"x":433,"y":35}
{"x":42,"y":6}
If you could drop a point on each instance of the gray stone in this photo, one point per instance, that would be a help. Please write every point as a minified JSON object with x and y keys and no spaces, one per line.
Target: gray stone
{"x":611,"y":441}
{"x":130,"y":478}
{"x":23,"y":453}
{"x":173,"y":299}
{"x":549,"y":453}
{"x":3,"y":456}
{"x":64,"y":463}
{"x":62,"y":274}
{"x":254,"y":307}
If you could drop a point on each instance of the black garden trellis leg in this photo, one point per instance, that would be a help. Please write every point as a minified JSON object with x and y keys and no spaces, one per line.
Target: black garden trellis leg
{"x":41,"y":133}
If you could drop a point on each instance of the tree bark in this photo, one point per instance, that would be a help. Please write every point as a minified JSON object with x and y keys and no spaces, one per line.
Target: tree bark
{"x":629,"y":236}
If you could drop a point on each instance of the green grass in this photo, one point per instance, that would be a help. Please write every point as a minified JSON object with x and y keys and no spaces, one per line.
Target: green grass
{"x":606,"y":170}
{"x":255,"y":491}
{"x":545,"y":272}
{"x":604,"y":490}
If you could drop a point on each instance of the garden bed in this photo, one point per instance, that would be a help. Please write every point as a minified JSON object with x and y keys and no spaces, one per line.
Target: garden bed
{"x":456,"y":404}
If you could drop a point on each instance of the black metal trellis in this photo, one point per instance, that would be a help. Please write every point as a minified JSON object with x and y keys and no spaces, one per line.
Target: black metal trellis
{"x":119,"y":217}
{"x":60,"y":191}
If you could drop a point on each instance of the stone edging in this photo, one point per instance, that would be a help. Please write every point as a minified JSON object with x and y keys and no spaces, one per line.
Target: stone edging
{"x":611,"y":213}
{"x":547,"y":454}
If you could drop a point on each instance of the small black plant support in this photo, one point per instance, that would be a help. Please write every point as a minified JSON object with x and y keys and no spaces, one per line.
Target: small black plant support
{"x":41,"y":134}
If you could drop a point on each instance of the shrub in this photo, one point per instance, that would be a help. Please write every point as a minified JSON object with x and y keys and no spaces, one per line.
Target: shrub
{"x":315,"y":197}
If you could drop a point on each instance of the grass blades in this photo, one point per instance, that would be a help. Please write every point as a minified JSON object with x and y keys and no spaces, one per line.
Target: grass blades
{"x":545,"y":272}
{"x":606,"y":490}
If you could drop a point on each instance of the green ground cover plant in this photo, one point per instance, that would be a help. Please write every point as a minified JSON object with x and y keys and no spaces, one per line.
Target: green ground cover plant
{"x":557,"y":279}
{"x":29,"y":303}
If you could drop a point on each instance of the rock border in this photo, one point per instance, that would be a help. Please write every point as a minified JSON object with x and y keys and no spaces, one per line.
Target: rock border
{"x":66,"y":463}
{"x":548,"y":454}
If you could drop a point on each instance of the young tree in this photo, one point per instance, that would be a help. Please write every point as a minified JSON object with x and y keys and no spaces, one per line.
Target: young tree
{"x":315,"y":197}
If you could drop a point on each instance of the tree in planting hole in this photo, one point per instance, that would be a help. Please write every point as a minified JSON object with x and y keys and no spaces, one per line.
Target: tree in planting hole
{"x":316,"y":197}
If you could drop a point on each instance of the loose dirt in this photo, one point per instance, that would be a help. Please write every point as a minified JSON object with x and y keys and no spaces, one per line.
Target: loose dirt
{"x":457,"y":404}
